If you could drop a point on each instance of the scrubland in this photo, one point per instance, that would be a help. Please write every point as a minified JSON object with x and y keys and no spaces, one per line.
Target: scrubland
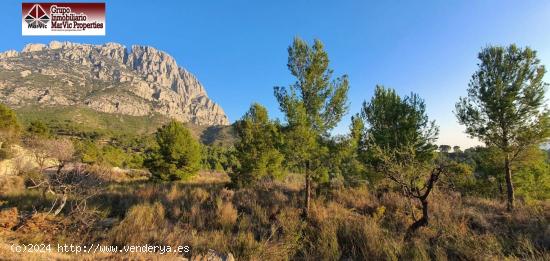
{"x":265,"y":222}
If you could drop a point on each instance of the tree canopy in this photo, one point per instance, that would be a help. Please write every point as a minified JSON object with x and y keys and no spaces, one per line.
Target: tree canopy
{"x":315,"y":99}
{"x":258,"y":147}
{"x":394,"y":122}
{"x":177,"y":155}
{"x":505,"y":103}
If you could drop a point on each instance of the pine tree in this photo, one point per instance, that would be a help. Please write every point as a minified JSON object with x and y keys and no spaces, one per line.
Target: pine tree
{"x":400,"y":145}
{"x":395,"y":122}
{"x":178,"y":154}
{"x":505,"y":104}
{"x":258,"y":147}
{"x":313,"y":105}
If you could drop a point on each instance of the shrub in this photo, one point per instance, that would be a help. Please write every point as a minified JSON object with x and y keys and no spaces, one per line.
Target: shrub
{"x":113,"y":156}
{"x":532,"y":179}
{"x":199,"y":195}
{"x":415,"y":250}
{"x":38,"y":128}
{"x":245,"y":247}
{"x":363,"y":239}
{"x":11,"y":184}
{"x":291,"y":229}
{"x":88,"y":152}
{"x":227,"y":215}
{"x":144,"y":223}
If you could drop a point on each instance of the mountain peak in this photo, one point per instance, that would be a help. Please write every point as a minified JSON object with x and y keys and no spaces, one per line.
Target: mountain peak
{"x":108,"y":78}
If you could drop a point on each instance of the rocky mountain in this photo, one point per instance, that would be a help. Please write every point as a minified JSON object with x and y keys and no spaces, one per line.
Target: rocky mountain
{"x":107,"y":78}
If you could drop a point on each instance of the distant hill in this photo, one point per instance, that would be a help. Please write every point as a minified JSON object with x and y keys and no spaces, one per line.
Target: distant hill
{"x":86,"y":122}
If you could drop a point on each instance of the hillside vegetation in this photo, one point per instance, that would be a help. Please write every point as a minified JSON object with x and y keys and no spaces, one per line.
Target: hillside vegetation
{"x":85,"y":122}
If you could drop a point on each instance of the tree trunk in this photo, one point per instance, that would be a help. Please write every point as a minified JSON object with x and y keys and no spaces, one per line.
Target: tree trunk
{"x":509,"y":185}
{"x":423,"y":221}
{"x":307,"y":194}
{"x":60,"y":167}
{"x":500,"y":189}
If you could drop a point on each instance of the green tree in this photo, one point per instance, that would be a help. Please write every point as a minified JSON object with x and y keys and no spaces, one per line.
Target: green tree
{"x":9,"y":126}
{"x":532,"y":174}
{"x":219,"y":158}
{"x":113,"y":156}
{"x":88,"y":152}
{"x":456,"y":149}
{"x":258,"y":147}
{"x":444,"y":148}
{"x":212,"y":157}
{"x":395,"y":122}
{"x":177,"y":155}
{"x":312,"y":106}
{"x":505,"y":104}
{"x":346,"y":153}
{"x":488,"y":167}
{"x":400,"y":145}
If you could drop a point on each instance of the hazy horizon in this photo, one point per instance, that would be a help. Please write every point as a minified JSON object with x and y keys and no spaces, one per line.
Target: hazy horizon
{"x":238,"y":49}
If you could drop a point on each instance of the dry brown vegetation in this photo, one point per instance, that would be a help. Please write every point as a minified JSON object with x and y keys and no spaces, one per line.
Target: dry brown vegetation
{"x":264,"y":223}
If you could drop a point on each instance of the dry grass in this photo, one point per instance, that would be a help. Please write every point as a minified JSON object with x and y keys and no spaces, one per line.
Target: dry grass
{"x":144,"y":223}
{"x":264,"y":223}
{"x":11,"y":184}
{"x":227,"y":215}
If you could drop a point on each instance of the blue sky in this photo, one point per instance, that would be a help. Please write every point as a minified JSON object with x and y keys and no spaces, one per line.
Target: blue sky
{"x":238,"y":49}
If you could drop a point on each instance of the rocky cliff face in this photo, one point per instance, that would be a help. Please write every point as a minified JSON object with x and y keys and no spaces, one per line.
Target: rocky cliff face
{"x":107,"y":78}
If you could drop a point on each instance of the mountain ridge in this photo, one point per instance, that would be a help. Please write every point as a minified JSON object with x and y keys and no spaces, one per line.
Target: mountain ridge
{"x":108,"y":78}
